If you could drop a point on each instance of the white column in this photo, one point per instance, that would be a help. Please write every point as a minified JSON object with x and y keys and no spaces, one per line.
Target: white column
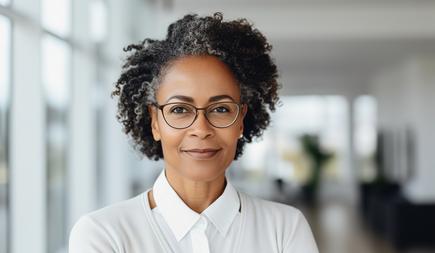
{"x":352,"y":175}
{"x":420,"y":188}
{"x":28,"y":140}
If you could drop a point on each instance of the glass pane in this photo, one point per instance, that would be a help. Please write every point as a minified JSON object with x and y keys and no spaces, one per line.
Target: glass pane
{"x":56,"y":16}
{"x":300,"y":128}
{"x":5,"y":2}
{"x":56,"y":56}
{"x":5,"y":47}
{"x":365,"y":136}
{"x":321,"y":116}
{"x":55,"y":71}
{"x":98,"y":11}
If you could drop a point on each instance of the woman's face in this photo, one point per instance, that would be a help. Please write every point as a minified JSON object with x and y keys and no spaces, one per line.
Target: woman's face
{"x":200,"y":152}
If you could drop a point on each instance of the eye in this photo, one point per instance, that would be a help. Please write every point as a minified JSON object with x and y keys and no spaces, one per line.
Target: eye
{"x":220,"y":109}
{"x":180,"y":109}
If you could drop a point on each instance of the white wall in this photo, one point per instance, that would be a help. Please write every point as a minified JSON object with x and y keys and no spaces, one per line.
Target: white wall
{"x":28,"y":156}
{"x":406,"y":99}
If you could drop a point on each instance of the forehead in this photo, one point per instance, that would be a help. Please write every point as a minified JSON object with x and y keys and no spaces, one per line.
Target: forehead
{"x":198,"y":77}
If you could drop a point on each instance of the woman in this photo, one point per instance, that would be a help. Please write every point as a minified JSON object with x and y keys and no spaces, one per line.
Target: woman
{"x":194,"y":100}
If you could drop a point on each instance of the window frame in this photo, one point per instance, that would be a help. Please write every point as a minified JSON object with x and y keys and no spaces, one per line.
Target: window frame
{"x":6,"y":130}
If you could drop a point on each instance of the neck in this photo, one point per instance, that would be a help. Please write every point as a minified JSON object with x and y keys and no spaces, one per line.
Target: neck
{"x":197,"y":195}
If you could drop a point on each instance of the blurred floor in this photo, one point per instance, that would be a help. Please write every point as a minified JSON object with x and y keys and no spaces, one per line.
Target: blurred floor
{"x":339,"y":229}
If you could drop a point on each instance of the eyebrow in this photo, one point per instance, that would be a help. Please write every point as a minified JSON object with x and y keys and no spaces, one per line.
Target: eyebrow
{"x":191,"y":100}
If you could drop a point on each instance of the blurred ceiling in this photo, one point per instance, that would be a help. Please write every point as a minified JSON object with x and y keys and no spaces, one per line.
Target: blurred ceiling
{"x":335,"y":36}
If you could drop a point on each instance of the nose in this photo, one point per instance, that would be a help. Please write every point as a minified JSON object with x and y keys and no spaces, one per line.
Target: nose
{"x":201,"y":127}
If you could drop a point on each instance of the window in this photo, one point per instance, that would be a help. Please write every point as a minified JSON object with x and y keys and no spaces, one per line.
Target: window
{"x":49,"y":24}
{"x":56,"y":70}
{"x":5,"y":47}
{"x":98,"y":18}
{"x":5,"y":2}
{"x":56,"y":77}
{"x":281,"y":154}
{"x":365,"y":136}
{"x":56,"y":16}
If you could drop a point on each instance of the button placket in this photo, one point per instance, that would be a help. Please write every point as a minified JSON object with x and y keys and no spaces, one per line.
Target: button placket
{"x":199,"y":238}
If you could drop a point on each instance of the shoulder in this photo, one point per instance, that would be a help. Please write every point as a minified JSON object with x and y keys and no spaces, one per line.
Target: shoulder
{"x":103,"y":228}
{"x":286,"y":222}
{"x":272,"y":216}
{"x":267,"y":208}
{"x":119,"y":212}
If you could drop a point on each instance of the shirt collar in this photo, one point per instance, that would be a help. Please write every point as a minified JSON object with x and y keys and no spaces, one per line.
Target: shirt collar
{"x":180,"y":218}
{"x":224,"y":209}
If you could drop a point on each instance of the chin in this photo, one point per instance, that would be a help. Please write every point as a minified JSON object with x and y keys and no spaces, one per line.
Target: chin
{"x":203,"y":173}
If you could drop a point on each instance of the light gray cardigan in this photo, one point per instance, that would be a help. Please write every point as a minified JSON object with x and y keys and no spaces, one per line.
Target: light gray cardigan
{"x":129,"y":227}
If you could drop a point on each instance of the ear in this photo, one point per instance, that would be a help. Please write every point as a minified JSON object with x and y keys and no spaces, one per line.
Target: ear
{"x":152,"y":111}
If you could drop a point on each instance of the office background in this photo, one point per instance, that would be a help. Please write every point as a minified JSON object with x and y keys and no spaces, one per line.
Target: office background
{"x":358,"y":85}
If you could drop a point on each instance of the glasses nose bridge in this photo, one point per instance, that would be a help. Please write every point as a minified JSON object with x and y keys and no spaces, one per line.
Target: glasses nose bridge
{"x":205,"y":115}
{"x":201,"y":109}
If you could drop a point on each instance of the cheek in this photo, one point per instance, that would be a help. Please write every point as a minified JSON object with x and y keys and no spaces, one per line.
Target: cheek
{"x":230,"y":137}
{"x":170,"y":137}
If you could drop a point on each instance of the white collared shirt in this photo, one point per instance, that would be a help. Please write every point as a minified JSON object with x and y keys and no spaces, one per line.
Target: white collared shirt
{"x":214,"y":230}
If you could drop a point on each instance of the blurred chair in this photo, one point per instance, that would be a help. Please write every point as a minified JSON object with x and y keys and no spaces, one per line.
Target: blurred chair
{"x":392,"y":216}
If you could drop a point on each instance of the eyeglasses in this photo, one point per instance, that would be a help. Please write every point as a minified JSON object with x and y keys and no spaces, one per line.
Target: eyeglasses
{"x":182,"y":115}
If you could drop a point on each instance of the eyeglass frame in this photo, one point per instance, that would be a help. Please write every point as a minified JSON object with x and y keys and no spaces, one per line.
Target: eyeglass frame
{"x":239,"y":108}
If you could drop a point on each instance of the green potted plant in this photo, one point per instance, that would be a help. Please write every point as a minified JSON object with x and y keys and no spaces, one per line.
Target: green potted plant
{"x":318,"y":157}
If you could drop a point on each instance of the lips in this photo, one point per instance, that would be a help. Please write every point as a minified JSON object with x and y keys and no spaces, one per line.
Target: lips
{"x":202,"y":150}
{"x":201,"y":154}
